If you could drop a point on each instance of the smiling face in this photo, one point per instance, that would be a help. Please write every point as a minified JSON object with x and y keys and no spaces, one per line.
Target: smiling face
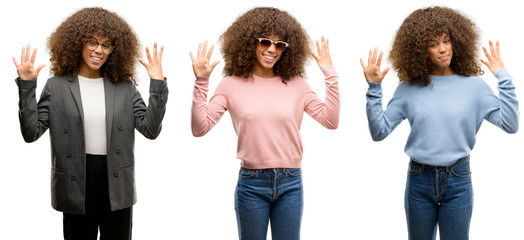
{"x":266,"y":58}
{"x":440,"y":51}
{"x":92,"y":60}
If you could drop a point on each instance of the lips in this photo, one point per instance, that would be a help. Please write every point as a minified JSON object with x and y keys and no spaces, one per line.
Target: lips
{"x":95,"y":59}
{"x":268,"y":58}
{"x":444,"y":58}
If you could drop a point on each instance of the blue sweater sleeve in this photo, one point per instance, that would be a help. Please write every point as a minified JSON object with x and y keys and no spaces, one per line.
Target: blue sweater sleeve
{"x":504,"y":110}
{"x":382,"y":123}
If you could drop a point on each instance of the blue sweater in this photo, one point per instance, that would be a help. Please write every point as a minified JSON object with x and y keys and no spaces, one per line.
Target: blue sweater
{"x":444,"y":116}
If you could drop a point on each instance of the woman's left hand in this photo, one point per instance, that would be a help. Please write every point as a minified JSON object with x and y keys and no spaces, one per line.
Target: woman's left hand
{"x":323,"y":57}
{"x":154,"y":67}
{"x":494,"y":63}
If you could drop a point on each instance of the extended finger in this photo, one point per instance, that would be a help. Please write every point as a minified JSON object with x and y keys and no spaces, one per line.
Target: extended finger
{"x":14,"y":61}
{"x":325,"y":45}
{"x":199,"y":51}
{"x":148,"y":55}
{"x":191,"y":55}
{"x":315,"y":56}
{"x":33,"y":57}
{"x":215,"y":63}
{"x":385,"y":71}
{"x":27,"y":52}
{"x":142,"y":62}
{"x":160,"y":53}
{"x":204,"y":49}
{"x":491,"y":48}
{"x":375,"y":55}
{"x":211,"y":48}
{"x":39,"y":68}
{"x":380,"y":58}
{"x":155,"y":52}
{"x":497,"y":49}
{"x":488,"y":56}
{"x":370,"y":56}
{"x":22,"y":55}
{"x":319,"y":50}
{"x":362,"y":63}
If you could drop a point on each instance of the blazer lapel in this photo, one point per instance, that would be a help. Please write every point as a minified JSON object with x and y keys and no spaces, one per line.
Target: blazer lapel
{"x":74,"y":86}
{"x":110,"y":90}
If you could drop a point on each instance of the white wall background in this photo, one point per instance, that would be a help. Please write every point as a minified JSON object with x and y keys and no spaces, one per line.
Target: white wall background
{"x":354,"y":187}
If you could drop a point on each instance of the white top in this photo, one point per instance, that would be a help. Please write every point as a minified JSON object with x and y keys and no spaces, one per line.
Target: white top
{"x":93,"y":103}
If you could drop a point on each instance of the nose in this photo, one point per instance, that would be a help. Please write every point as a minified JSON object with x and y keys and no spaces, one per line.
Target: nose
{"x":441,"y":48}
{"x":98,"y":48}
{"x":272,"y":48}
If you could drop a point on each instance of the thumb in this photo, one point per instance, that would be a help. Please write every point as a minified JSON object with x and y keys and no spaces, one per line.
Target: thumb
{"x":214,"y":64}
{"x":39,"y":68}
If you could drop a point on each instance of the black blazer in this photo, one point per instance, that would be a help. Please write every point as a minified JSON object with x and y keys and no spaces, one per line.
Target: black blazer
{"x":60,"y":110}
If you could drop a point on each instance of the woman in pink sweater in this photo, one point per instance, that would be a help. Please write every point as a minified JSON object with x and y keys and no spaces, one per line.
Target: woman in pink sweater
{"x":265,"y":51}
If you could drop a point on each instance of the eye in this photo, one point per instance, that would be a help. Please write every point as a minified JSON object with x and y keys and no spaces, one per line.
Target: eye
{"x":266,"y":43}
{"x":92,"y":43}
{"x":281,"y":46}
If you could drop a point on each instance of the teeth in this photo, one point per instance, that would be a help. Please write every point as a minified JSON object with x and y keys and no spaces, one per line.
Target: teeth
{"x":268,"y":57}
{"x":97,"y":59}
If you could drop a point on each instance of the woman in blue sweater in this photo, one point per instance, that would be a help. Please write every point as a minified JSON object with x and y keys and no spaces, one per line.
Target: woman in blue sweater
{"x":435,"y":56}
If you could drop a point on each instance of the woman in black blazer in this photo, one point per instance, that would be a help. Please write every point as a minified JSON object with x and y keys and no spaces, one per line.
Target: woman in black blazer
{"x":91,"y":107}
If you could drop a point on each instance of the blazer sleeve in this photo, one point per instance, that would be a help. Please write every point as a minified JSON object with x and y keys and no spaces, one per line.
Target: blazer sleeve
{"x":148,"y":120}
{"x":33,"y":116}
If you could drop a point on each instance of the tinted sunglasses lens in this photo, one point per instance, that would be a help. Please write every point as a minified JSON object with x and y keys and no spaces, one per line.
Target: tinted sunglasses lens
{"x":280,"y":46}
{"x":265,"y":43}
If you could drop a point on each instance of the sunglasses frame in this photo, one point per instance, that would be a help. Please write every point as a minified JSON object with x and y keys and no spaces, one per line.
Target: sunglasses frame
{"x":284,"y":44}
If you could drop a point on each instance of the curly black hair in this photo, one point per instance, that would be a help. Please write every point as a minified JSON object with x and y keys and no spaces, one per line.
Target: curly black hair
{"x":239,"y":42}
{"x":65,"y":44}
{"x":409,"y":55}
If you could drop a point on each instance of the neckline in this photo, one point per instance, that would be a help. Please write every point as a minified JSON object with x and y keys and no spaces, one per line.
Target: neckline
{"x":90,"y":79}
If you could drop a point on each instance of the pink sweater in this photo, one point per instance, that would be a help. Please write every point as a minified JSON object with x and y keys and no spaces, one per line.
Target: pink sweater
{"x":266,"y":115}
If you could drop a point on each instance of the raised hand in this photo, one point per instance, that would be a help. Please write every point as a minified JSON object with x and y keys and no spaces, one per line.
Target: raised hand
{"x":26,"y":69}
{"x":154,"y":65}
{"x":494,"y":63}
{"x":201,"y":66}
{"x":372,"y":70}
{"x":323,"y":57}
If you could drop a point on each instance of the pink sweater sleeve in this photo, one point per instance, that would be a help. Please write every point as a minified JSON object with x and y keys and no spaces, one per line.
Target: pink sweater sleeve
{"x":327,"y":112}
{"x":203,"y":115}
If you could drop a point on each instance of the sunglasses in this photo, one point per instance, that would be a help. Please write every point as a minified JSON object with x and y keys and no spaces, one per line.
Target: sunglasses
{"x":279,"y":45}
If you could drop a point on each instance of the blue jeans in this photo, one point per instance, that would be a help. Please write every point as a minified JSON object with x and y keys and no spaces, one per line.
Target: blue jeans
{"x":269,"y":195}
{"x":440,"y":196}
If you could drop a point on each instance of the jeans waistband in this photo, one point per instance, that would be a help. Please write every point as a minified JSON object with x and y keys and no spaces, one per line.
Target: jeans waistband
{"x":267,"y":169}
{"x":446,"y":168}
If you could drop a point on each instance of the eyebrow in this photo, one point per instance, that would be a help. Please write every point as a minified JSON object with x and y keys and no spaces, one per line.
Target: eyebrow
{"x":104,"y":42}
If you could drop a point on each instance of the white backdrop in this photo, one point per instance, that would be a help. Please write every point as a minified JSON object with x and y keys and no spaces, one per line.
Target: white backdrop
{"x":354,"y":187}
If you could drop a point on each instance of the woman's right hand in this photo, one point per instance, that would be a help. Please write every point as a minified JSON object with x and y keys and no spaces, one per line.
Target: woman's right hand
{"x":26,"y":69}
{"x":201,"y":66}
{"x":372,"y":70}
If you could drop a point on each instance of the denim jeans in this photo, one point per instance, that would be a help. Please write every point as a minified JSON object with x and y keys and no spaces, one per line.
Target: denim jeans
{"x":269,"y":195}
{"x":440,"y":196}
